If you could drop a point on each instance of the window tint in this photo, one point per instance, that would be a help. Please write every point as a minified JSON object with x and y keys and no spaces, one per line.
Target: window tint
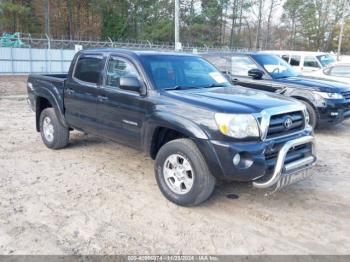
{"x":275,"y":66}
{"x":285,"y":58}
{"x":241,"y":65}
{"x":326,"y":60}
{"x":223,"y":63}
{"x":295,"y":60}
{"x":168,"y":71}
{"x":117,"y":68}
{"x":343,"y":71}
{"x":88,"y":68}
{"x":310,"y":61}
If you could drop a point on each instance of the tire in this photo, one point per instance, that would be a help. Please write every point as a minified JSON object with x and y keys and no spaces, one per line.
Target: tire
{"x":203,"y":182}
{"x":59,"y":137}
{"x":312,"y":114}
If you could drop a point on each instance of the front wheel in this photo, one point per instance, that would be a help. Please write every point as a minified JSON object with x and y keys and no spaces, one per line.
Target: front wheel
{"x":312,"y":114}
{"x":182,"y":173}
{"x":53,"y":133}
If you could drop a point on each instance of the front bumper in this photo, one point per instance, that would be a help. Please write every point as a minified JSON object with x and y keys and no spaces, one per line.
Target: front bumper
{"x":265,"y":163}
{"x":282,"y":172}
{"x":334,"y":111}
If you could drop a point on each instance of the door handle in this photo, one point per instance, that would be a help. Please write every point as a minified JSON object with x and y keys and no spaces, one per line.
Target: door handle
{"x":102,"y":98}
{"x":70,"y":91}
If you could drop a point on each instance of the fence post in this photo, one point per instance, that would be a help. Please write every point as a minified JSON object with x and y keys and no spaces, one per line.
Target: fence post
{"x":30,"y":59}
{"x":48,"y":55}
{"x":12,"y":62}
{"x":110,"y":40}
{"x":62,"y":62}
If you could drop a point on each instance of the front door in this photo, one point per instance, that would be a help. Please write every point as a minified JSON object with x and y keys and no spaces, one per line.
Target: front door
{"x":240,"y":66}
{"x":121,"y":113}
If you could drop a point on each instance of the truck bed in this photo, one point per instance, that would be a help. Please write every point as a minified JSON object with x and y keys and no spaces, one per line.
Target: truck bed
{"x":50,"y":84}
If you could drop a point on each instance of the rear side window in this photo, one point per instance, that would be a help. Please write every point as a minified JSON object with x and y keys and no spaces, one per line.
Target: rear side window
{"x":343,"y":71}
{"x":295,"y":60}
{"x":88,"y":68}
{"x":310,"y":61}
{"x":285,"y":58}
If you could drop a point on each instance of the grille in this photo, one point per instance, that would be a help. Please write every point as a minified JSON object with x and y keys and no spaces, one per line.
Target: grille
{"x":277,"y":125}
{"x":346,"y":95}
{"x":294,"y":154}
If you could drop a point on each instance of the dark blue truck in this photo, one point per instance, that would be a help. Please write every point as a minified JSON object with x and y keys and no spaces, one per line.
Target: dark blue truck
{"x":327,"y":102}
{"x":183,"y":113}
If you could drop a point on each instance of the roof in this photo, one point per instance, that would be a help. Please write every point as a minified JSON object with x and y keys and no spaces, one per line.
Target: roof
{"x":226,"y":53}
{"x":291,"y":52}
{"x":136,"y":52}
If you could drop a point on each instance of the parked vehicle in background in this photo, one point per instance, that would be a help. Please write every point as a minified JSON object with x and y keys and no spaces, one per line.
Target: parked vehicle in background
{"x":181,"y":111}
{"x":304,"y":62}
{"x":338,"y":72}
{"x":327,"y":102}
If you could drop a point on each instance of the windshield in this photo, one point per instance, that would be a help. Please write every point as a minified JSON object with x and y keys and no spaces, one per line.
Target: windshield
{"x":326,"y":60}
{"x":171,"y":71}
{"x":275,"y":66}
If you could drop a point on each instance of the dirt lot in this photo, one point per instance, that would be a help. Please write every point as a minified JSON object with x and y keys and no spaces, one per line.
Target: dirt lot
{"x":98,"y":197}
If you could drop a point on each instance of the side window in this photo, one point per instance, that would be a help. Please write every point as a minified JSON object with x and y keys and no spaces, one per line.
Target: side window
{"x":87,"y":68}
{"x":285,"y":58}
{"x":241,"y":65}
{"x":295,"y":60}
{"x":116,"y":68}
{"x":310,"y":61}
{"x":343,"y":71}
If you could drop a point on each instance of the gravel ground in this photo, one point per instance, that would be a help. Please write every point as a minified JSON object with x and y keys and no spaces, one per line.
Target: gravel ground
{"x":98,"y":197}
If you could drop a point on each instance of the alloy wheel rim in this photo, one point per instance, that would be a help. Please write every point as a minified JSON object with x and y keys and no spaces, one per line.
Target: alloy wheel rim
{"x":48,"y":129}
{"x":178,"y":174}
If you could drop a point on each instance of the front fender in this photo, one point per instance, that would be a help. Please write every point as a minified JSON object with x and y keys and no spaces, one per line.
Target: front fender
{"x":171,"y":121}
{"x":302,"y":94}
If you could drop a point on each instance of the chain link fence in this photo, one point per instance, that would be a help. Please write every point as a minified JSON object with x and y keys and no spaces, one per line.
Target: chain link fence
{"x":46,"y":55}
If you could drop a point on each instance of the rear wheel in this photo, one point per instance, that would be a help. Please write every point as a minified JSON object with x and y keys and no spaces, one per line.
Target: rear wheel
{"x":182,"y":174}
{"x":53,"y":133}
{"x":312,"y":114}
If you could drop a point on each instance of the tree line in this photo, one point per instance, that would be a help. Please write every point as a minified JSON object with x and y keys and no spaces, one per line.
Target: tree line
{"x":269,"y":24}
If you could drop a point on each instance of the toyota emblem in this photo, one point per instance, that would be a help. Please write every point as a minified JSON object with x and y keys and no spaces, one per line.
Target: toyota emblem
{"x":288,"y":122}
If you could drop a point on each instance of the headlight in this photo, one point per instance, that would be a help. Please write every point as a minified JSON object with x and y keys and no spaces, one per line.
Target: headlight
{"x":237,"y":126}
{"x":329,"y":95}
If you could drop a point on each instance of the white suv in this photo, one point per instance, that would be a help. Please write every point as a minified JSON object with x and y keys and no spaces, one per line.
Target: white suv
{"x":307,"y":63}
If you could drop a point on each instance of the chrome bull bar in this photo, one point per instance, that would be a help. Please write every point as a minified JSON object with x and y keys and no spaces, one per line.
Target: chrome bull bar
{"x":284,"y":175}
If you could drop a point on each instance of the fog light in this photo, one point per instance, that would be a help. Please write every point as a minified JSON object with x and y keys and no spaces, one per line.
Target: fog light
{"x":334,"y":113}
{"x":236,"y":159}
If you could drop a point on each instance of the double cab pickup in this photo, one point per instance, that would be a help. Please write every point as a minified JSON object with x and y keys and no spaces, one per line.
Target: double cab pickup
{"x":183,"y":113}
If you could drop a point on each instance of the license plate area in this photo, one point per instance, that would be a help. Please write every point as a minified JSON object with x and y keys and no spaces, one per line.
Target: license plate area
{"x":287,"y":179}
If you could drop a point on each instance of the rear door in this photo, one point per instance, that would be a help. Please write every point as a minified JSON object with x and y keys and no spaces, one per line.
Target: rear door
{"x":81,"y":91}
{"x":120,"y":113}
{"x":240,"y":65}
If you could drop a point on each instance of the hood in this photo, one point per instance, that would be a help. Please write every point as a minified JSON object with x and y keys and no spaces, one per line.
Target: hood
{"x":235,"y":99}
{"x":316,"y":84}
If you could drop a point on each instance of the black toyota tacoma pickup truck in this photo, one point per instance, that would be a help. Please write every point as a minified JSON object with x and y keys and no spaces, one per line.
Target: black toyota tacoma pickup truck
{"x":183,"y":113}
{"x":327,"y":102}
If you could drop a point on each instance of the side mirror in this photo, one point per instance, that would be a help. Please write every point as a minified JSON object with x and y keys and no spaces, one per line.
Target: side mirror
{"x":255,"y":73}
{"x":130,"y":83}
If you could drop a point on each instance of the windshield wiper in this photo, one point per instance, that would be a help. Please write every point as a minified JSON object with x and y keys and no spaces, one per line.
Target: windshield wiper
{"x":214,"y":85}
{"x":178,"y":87}
{"x":281,"y":77}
